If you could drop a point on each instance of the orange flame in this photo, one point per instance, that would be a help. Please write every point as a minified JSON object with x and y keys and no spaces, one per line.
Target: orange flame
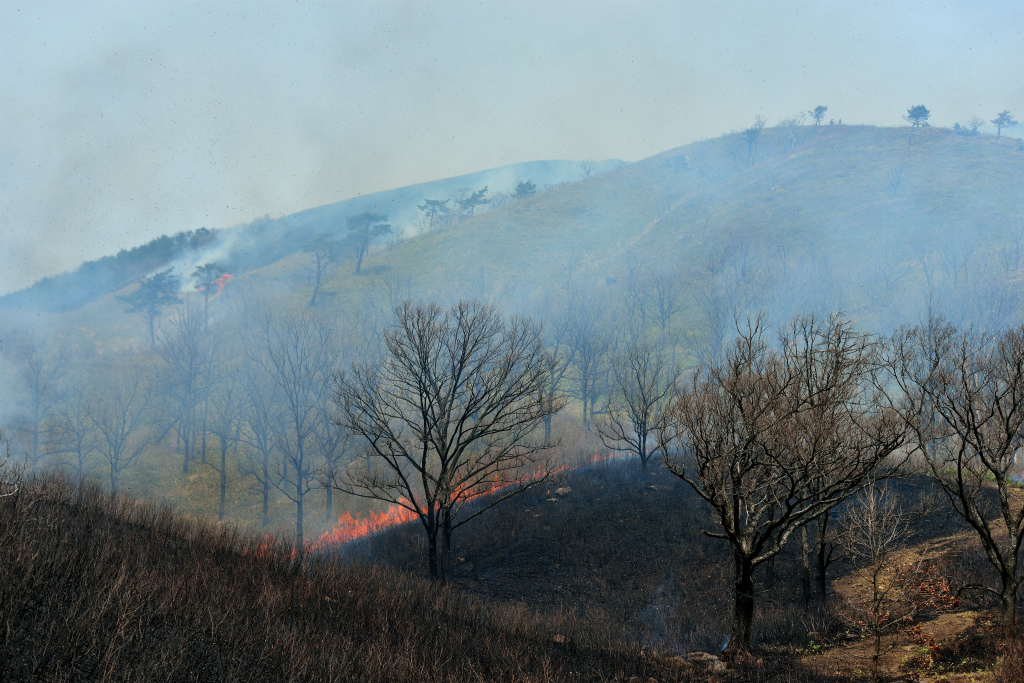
{"x":352,"y":527}
{"x":223,"y":280}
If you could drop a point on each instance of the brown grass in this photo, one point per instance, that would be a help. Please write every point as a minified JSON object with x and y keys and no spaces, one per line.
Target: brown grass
{"x":95,"y":589}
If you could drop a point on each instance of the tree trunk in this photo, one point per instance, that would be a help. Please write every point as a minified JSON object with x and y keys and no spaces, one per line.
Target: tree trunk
{"x":359,"y":258}
{"x":822,"y":559}
{"x":298,"y":512}
{"x":223,"y":477}
{"x":446,"y":550}
{"x":330,"y":504}
{"x":432,"y":553}
{"x":204,"y":433}
{"x":805,"y":566}
{"x":187,"y":452}
{"x":266,"y":499}
{"x":743,"y":610}
{"x":316,"y":288}
{"x":1009,"y":607}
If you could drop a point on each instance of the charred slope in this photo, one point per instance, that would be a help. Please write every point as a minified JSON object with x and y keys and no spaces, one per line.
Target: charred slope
{"x":614,"y":545}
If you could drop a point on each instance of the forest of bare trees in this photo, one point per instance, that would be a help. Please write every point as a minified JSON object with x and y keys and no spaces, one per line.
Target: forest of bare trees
{"x":446,"y":411}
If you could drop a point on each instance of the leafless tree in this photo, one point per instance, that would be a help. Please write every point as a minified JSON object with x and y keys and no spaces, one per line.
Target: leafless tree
{"x":42,"y":366}
{"x":296,"y":351}
{"x":558,"y":358}
{"x":873,"y":532}
{"x":326,"y":252}
{"x":187,"y":354}
{"x":120,"y":413}
{"x":225,"y":414}
{"x":956,"y":252}
{"x":333,"y":443}
{"x":587,"y":167}
{"x":260,"y":416}
{"x":965,"y":391}
{"x":10,"y":472}
{"x":73,"y":434}
{"x":638,"y":409}
{"x":590,"y":342}
{"x":451,"y":411}
{"x":1013,"y":251}
{"x":895,"y":178}
{"x":772,"y":438}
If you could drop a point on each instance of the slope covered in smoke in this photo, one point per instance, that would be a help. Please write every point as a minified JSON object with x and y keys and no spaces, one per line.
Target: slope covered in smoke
{"x":267,"y":240}
{"x":884,"y":223}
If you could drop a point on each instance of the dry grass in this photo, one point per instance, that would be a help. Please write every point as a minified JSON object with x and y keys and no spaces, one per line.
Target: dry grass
{"x":94,"y":589}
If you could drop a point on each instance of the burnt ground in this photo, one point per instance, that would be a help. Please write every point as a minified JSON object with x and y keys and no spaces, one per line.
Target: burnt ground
{"x":624,"y":548}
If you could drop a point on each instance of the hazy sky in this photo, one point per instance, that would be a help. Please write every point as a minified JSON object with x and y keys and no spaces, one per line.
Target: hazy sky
{"x":123,"y":121}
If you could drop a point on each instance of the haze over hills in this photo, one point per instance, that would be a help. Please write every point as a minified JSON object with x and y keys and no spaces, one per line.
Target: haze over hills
{"x":236,"y":404}
{"x":266,"y":240}
{"x":883,"y":223}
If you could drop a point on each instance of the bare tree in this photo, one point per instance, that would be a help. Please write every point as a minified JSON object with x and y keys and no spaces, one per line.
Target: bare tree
{"x":260,"y":415}
{"x":295,"y":350}
{"x":771,"y":439}
{"x":663,"y":300}
{"x":558,"y":359}
{"x":41,"y":369}
{"x":326,"y":251}
{"x":451,"y":412}
{"x":120,"y":412}
{"x":637,"y":411}
{"x":587,"y":167}
{"x":187,"y":354}
{"x":226,"y":404}
{"x":589,"y":342}
{"x":332,"y":442}
{"x":873,"y":532}
{"x":965,"y":391}
{"x":73,"y":434}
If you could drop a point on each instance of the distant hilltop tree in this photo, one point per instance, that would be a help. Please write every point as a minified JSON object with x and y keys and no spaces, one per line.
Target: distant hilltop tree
{"x":818,"y":113}
{"x":362,"y":229}
{"x":524,"y":189}
{"x":153,"y":295}
{"x":206,"y":277}
{"x":971,"y":129}
{"x":917,"y":116}
{"x":1003,"y":120}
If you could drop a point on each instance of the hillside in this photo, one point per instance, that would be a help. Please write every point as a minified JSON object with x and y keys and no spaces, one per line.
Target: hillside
{"x":95,"y":589}
{"x":879,"y":222}
{"x":608,"y":579}
{"x":267,"y":240}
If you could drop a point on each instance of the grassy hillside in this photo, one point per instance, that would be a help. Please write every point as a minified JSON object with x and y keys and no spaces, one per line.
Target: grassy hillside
{"x":608,"y":579}
{"x":884,"y":223}
{"x":871,"y":220}
{"x":95,"y":589}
